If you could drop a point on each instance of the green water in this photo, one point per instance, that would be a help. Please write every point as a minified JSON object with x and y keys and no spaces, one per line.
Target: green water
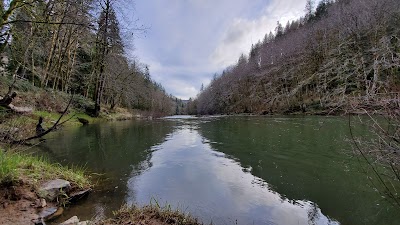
{"x":226,"y":170}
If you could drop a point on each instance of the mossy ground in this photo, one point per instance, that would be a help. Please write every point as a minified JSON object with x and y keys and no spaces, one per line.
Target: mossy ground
{"x":48,"y":104}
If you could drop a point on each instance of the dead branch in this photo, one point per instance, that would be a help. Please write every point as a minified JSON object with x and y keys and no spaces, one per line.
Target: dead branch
{"x":67,"y":120}
{"x":18,"y":142}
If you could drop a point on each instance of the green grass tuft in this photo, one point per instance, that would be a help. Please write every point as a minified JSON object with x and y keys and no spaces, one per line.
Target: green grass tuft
{"x":17,"y":166}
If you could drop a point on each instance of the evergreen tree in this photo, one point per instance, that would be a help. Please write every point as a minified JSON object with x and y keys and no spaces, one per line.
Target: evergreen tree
{"x":279,"y":30}
{"x":108,"y":42}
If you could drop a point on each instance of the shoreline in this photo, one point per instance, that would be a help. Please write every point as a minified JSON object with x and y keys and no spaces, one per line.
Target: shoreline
{"x":24,"y":194}
{"x":22,"y":176}
{"x":25,"y":200}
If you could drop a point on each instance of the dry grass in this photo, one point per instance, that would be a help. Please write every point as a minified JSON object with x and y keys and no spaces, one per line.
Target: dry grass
{"x":150,"y":214}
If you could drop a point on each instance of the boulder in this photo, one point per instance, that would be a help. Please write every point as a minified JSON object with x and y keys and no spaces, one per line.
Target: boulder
{"x":47,"y":213}
{"x":76,"y":196}
{"x":56,"y":214}
{"x":52,"y":189}
{"x":83,"y":121}
{"x":71,"y":221}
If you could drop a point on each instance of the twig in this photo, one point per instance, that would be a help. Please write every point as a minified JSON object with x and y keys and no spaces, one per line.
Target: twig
{"x":67,"y":119}
{"x":388,"y":192}
{"x":48,"y":130}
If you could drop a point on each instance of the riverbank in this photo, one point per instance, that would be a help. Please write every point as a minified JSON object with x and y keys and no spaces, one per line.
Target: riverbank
{"x":24,"y":197}
{"x":23,"y":177}
{"x":19,"y":121}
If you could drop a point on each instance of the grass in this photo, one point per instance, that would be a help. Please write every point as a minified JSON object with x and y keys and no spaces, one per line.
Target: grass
{"x":15,"y":167}
{"x":50,"y":118}
{"x":150,"y":214}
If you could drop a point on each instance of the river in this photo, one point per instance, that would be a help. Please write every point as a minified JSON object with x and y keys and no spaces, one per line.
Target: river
{"x":225,"y":170}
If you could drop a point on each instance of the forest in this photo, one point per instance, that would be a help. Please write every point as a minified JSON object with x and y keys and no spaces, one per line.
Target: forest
{"x":72,"y":64}
{"x":79,"y":47}
{"x":340,"y":56}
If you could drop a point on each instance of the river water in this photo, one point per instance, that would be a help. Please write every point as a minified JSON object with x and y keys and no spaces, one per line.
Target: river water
{"x":225,"y":170}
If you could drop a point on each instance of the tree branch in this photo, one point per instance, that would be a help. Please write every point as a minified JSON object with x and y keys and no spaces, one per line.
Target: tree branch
{"x":48,"y":130}
{"x":47,"y":22}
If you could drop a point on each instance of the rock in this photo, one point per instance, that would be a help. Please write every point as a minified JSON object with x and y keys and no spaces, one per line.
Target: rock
{"x":38,"y":221}
{"x":58,"y":213}
{"x":39,"y":203}
{"x":51,"y":213}
{"x":83,"y":223}
{"x":76,"y":196}
{"x":47,"y":212}
{"x":52,"y":189}
{"x":83,"y":121}
{"x":43,"y":203}
{"x":71,"y":221}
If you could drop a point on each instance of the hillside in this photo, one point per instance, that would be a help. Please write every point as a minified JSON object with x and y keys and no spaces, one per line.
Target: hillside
{"x":342,"y":56}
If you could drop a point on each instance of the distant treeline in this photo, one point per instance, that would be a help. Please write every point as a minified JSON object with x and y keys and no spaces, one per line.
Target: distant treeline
{"x":75,"y":46}
{"x":344,"y":51}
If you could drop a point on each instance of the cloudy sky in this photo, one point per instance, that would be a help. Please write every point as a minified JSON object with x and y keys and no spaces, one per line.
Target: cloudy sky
{"x":189,"y":40}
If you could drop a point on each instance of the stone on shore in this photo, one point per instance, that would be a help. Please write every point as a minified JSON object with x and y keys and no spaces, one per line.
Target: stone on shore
{"x":71,"y":221}
{"x":59,"y":211}
{"x":76,"y":196}
{"x":46,"y":213}
{"x":52,"y":189}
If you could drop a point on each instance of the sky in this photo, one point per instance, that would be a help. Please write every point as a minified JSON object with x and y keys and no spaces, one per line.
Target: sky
{"x":188,"y":41}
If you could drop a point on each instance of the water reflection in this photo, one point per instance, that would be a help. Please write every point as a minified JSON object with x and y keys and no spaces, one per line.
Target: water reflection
{"x":228,"y":170}
{"x":111,"y":151}
{"x":188,"y":173}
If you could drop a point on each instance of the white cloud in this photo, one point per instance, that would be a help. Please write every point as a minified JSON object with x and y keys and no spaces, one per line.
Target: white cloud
{"x":183,"y":81}
{"x":190,"y":40}
{"x":180,"y":88}
{"x":242,"y":32}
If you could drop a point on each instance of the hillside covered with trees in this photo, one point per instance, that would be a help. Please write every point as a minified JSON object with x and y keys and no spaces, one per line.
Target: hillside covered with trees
{"x":341,"y":55}
{"x":78,"y":47}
